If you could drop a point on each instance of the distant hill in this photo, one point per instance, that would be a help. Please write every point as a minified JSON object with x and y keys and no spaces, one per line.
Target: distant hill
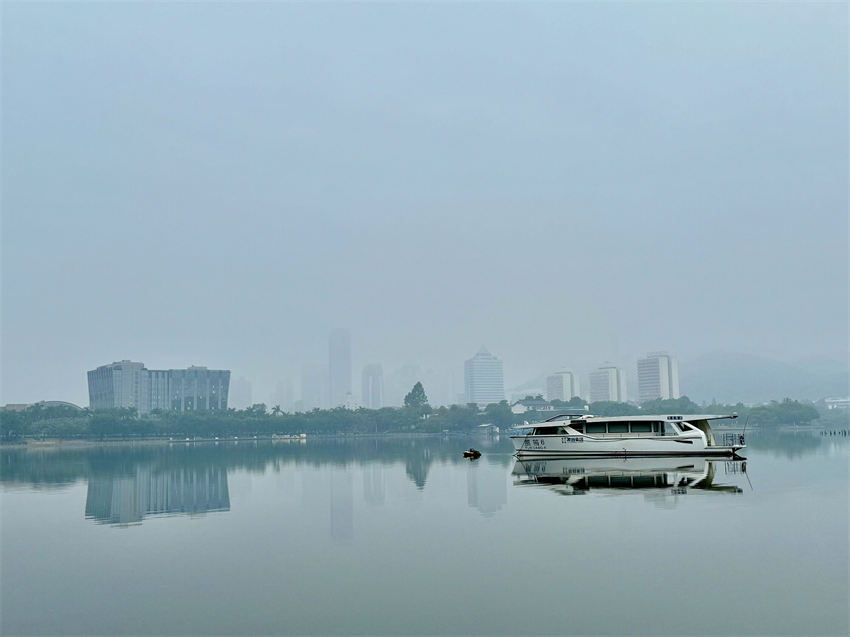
{"x":748,"y":378}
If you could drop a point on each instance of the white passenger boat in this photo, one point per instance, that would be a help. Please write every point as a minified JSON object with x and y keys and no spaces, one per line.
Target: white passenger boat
{"x":587,"y":435}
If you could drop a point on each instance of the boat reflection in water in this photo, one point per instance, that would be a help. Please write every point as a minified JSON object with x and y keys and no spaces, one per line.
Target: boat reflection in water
{"x":654,"y":476}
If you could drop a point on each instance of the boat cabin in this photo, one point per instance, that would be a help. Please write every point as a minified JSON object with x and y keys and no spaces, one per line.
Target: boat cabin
{"x":613,"y":427}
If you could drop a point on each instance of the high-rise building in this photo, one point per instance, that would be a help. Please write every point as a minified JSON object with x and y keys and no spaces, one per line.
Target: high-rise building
{"x":129,"y":384}
{"x":373,"y":386}
{"x":120,"y":384}
{"x":484,"y":378}
{"x":158,"y":390}
{"x":339,"y":367}
{"x":313,"y":388}
{"x":282,"y":395}
{"x":562,"y":385}
{"x":608,"y":383}
{"x":658,"y":376}
{"x":198,"y":389}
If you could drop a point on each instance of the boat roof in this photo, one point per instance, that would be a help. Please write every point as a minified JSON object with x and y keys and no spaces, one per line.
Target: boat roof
{"x":645,"y":417}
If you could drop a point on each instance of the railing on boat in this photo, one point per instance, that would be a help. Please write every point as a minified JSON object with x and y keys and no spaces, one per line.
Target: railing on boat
{"x":731,"y":439}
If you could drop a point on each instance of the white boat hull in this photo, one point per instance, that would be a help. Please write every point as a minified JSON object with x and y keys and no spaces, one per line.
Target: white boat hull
{"x":588,"y":446}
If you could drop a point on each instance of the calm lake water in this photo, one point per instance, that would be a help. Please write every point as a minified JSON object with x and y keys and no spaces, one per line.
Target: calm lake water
{"x":404,"y":536}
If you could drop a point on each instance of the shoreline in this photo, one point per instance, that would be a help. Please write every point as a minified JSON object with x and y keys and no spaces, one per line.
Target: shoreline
{"x":84,"y":443}
{"x":75,"y":443}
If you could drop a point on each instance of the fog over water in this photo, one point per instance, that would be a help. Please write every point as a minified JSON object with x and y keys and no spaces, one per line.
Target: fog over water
{"x":223,"y":185}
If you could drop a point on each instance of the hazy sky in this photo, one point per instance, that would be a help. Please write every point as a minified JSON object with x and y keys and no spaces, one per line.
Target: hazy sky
{"x":223,"y":185}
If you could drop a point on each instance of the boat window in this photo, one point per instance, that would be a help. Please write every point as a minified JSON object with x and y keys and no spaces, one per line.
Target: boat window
{"x":669,"y":430}
{"x":579,"y":427}
{"x":641,"y":427}
{"x":684,"y":426}
{"x":643,"y":482}
{"x":596,"y":428}
{"x":547,"y":431}
{"x":618,"y":427}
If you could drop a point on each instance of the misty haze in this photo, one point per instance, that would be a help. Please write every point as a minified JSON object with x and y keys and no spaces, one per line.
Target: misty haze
{"x":289,"y":289}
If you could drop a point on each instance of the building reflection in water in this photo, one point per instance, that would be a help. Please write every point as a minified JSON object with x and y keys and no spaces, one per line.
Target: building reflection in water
{"x":342,"y":504}
{"x":661,"y":480}
{"x":374,"y":485}
{"x":486,"y":487}
{"x":127,"y":499}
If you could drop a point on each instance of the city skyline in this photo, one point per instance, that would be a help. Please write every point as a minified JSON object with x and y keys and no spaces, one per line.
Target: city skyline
{"x":467,"y":200}
{"x":315,"y":382}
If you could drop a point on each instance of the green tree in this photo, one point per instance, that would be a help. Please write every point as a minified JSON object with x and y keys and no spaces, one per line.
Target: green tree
{"x":416,"y":397}
{"x":500,"y":414}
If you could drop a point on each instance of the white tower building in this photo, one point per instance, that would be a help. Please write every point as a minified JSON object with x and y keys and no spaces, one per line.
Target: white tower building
{"x":484,"y":378}
{"x":562,"y":385}
{"x":608,"y":383}
{"x":658,"y":376}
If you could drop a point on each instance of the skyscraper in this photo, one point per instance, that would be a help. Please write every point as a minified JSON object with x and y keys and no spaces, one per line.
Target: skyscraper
{"x":313,"y":388}
{"x":282,"y":395}
{"x":484,"y":379}
{"x":339,"y":367}
{"x":373,"y":386}
{"x":562,"y":385}
{"x":658,"y":376}
{"x":608,"y":383}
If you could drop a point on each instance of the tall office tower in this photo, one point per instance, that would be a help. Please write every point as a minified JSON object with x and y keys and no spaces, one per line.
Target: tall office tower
{"x":339,"y":367}
{"x":128,"y":384}
{"x":562,"y":385}
{"x":120,"y":384}
{"x":282,"y":395}
{"x":373,"y":386}
{"x":198,"y":389}
{"x":241,"y":394}
{"x":608,"y":383}
{"x":658,"y":376}
{"x":484,"y":378}
{"x":313,"y":388}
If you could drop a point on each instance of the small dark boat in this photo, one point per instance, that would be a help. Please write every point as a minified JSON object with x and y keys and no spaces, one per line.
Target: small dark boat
{"x":472,"y":454}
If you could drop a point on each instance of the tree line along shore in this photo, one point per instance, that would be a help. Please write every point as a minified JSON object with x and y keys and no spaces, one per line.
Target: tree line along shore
{"x":416,"y":416}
